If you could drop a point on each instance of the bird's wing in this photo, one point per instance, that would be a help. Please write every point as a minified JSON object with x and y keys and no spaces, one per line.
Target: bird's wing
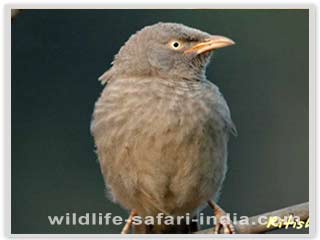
{"x":226,"y":116}
{"x":222,"y":109}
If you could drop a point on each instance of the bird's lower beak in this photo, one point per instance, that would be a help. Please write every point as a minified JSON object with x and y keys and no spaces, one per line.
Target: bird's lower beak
{"x":210,"y":44}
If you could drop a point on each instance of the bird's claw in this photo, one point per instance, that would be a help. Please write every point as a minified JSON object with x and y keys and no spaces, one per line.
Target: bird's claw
{"x":222,"y":221}
{"x":227,"y":227}
{"x":127,"y":227}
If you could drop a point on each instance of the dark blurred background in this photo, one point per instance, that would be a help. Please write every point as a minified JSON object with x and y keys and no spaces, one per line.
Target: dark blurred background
{"x":57,"y":56}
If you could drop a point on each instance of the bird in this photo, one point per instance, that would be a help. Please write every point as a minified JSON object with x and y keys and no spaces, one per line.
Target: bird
{"x":161,"y":128}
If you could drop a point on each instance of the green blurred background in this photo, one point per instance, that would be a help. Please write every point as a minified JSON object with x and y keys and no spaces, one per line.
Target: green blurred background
{"x":57,"y":56}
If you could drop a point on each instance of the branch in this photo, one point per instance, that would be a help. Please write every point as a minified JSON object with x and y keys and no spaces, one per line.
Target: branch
{"x":300,"y":210}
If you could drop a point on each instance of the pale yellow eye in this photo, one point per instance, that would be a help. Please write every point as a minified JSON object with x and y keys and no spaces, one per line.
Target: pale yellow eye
{"x":175,"y":45}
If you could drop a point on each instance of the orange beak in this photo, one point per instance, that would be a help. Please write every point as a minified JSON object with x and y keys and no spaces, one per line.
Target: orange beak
{"x":210,"y":44}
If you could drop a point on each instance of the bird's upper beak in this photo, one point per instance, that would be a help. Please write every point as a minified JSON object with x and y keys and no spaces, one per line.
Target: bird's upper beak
{"x":209,"y":44}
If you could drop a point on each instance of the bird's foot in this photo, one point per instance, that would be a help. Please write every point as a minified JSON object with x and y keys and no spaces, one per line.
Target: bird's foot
{"x":223,"y":223}
{"x":127,"y":227}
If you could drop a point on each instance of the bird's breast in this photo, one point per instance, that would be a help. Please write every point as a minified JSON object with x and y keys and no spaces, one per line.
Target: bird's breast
{"x":161,"y":138}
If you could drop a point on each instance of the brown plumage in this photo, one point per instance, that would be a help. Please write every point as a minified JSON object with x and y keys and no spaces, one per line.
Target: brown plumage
{"x":160,"y":128}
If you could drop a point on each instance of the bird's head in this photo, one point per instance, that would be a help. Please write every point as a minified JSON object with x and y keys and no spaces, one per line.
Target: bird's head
{"x":166,"y":50}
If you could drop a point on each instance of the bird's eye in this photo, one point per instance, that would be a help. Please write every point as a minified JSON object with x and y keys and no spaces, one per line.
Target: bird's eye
{"x":175,"y":45}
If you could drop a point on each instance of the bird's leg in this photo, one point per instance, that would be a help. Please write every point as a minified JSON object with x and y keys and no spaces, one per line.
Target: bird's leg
{"x":127,"y":227}
{"x":227,"y":226}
